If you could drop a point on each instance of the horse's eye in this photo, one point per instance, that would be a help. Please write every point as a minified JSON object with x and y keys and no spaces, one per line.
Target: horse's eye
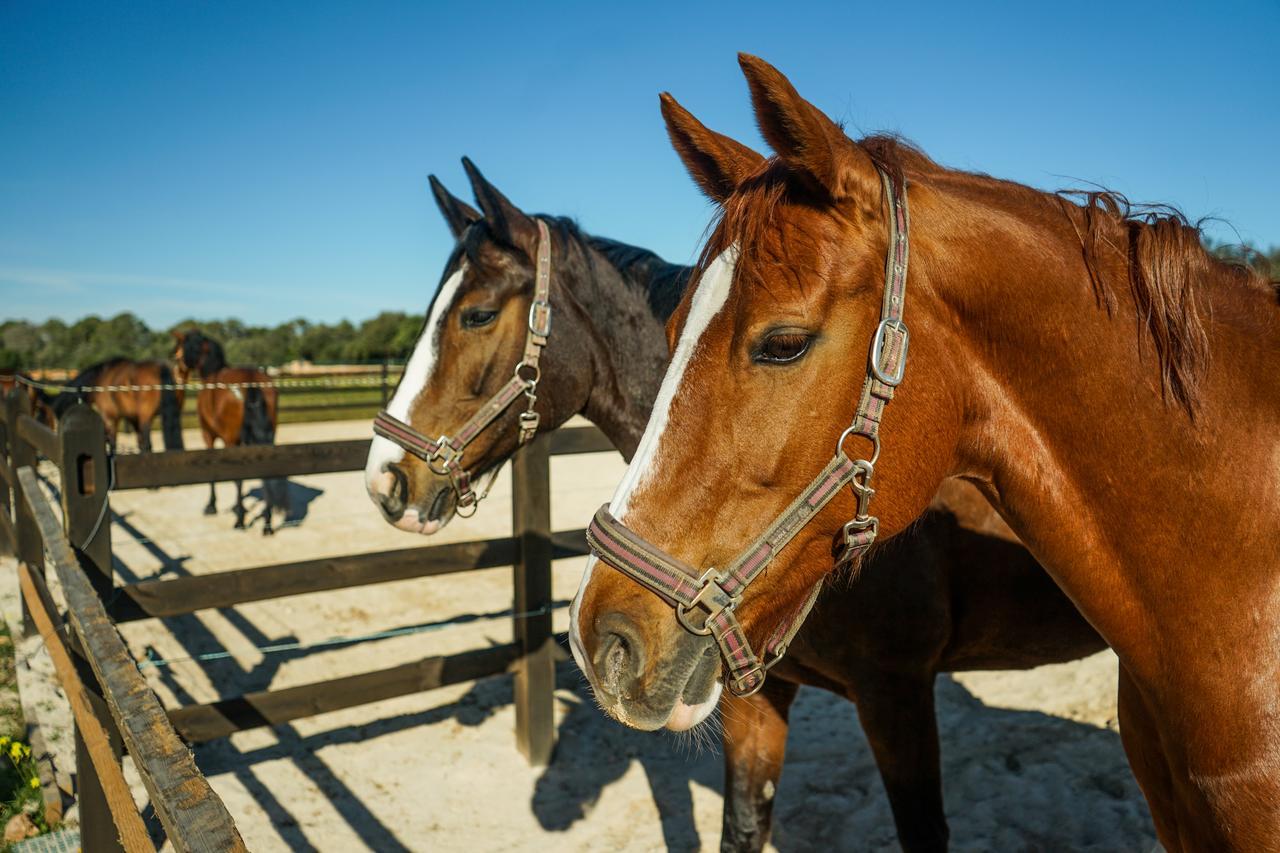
{"x":475,"y":318}
{"x":783,"y":347}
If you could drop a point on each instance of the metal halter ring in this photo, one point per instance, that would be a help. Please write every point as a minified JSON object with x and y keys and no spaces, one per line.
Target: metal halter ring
{"x":877,"y":344}
{"x":874,"y":439}
{"x":537,"y":373}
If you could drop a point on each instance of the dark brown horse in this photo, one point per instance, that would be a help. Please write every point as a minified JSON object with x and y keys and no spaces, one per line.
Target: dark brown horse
{"x":1107,"y":384}
{"x":959,"y":593}
{"x":24,"y":383}
{"x":237,"y":405}
{"x":132,"y":391}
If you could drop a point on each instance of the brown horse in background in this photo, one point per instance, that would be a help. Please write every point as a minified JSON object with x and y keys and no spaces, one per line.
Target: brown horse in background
{"x":1112,"y":389}
{"x":244,"y":413}
{"x":41,"y":403}
{"x":134,"y":392}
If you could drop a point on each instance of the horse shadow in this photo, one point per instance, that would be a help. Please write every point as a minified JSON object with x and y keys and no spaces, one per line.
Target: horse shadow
{"x":1013,"y":779}
{"x":297,"y":502}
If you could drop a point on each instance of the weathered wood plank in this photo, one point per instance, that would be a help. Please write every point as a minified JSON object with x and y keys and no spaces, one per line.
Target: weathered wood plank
{"x":567,"y":440}
{"x":193,"y":815}
{"x":133,"y":833}
{"x":161,"y":598}
{"x":143,"y":471}
{"x":39,"y":436}
{"x":218,"y":719}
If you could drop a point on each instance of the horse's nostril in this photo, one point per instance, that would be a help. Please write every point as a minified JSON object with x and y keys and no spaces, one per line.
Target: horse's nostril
{"x":619,"y":660}
{"x":394,"y":500}
{"x":436,"y":510}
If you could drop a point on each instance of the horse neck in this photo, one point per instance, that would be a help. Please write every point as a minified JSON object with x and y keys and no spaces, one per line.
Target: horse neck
{"x":627,"y":345}
{"x":1069,"y":430}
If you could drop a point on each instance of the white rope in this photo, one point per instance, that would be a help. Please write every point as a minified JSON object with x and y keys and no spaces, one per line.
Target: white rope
{"x":197,"y":385}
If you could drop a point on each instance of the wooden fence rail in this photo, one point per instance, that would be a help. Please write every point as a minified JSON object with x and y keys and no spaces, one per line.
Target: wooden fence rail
{"x":127,"y":706}
{"x":192,"y":814}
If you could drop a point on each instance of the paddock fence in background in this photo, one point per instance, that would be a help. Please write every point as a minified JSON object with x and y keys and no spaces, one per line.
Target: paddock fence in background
{"x":80,"y":549}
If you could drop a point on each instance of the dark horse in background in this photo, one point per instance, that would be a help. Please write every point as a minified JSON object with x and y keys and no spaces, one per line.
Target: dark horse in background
{"x":958,"y":593}
{"x":121,"y":389}
{"x":40,"y":408}
{"x":243,"y":413}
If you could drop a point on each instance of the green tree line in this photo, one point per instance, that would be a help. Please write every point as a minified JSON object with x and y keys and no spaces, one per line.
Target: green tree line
{"x":55,"y":343}
{"x":391,"y":334}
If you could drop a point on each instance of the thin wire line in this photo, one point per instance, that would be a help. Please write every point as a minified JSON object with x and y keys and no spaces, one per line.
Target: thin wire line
{"x":196,"y":385}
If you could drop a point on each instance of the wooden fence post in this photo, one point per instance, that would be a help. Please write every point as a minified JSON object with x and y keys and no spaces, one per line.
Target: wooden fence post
{"x":28,"y":547}
{"x":86,"y":513}
{"x":7,"y":543}
{"x":385,"y":388}
{"x":535,"y":673}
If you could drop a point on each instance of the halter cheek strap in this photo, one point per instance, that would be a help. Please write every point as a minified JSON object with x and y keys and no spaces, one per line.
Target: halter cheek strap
{"x":713,"y":595}
{"x":444,"y":454}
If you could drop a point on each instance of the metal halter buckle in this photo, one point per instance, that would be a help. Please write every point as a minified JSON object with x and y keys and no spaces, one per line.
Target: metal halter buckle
{"x":877,"y":347}
{"x":712,"y":598}
{"x":540,"y":308}
{"x":445,"y":455}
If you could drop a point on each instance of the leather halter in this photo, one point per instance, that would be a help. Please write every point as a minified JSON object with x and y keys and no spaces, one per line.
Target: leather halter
{"x":444,"y":454}
{"x":716,"y":593}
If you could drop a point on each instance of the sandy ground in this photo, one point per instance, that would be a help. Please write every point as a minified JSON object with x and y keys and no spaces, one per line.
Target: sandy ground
{"x":1032,"y":760}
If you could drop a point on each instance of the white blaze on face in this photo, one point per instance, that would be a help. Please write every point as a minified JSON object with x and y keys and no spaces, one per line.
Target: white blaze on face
{"x":417,"y":373}
{"x":710,"y":296}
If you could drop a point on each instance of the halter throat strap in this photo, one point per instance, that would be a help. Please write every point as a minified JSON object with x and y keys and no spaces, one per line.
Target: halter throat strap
{"x":444,"y":454}
{"x":713,"y":595}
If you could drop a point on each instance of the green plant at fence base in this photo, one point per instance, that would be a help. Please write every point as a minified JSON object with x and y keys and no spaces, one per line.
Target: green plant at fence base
{"x":20,"y":785}
{"x":19,"y":779}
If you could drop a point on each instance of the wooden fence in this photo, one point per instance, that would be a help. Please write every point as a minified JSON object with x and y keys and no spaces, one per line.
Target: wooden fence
{"x":78,"y":449}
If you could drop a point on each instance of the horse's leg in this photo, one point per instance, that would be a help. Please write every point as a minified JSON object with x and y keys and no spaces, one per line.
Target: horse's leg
{"x":143,"y":428}
{"x":267,"y":530}
{"x":755,"y":737}
{"x":1146,"y":759}
{"x":239,"y":505}
{"x":210,"y":508}
{"x":897,"y":714}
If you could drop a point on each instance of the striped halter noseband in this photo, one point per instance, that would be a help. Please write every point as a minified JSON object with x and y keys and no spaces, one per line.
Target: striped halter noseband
{"x":444,"y":454}
{"x":705,"y":601}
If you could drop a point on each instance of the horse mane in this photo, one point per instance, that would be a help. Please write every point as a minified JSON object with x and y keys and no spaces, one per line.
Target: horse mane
{"x":662,"y":282}
{"x":196,"y":357}
{"x":1162,"y":253}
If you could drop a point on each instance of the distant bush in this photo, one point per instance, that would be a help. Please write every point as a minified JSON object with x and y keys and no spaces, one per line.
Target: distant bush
{"x":56,"y":343}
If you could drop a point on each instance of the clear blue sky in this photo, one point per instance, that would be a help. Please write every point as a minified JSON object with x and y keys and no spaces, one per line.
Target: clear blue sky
{"x":269,"y":160}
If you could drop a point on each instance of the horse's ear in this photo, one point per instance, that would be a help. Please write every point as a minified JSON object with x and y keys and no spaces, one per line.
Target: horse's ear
{"x":457,"y":213}
{"x":507,"y":221}
{"x":802,"y":134}
{"x":716,"y":163}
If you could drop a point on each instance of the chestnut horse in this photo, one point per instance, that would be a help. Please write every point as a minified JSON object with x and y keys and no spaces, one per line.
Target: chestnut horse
{"x":132,"y":391}
{"x":242,"y":413}
{"x":1106,"y":383}
{"x":959,"y":594}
